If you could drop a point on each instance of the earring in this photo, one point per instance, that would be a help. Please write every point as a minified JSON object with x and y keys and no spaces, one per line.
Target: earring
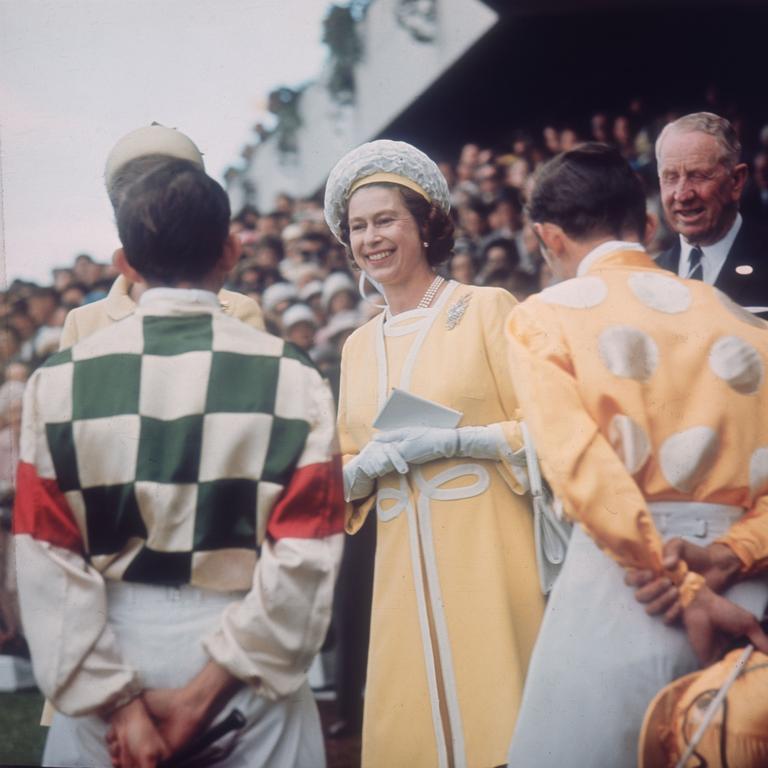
{"x":425,"y":244}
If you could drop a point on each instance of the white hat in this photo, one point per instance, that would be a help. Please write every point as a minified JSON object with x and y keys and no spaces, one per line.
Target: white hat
{"x":312,"y":288}
{"x":276,"y":293}
{"x":334,"y":283}
{"x":347,"y":320}
{"x":298,"y":313}
{"x":292,"y":232}
{"x":382,"y":161}
{"x":305,"y":271}
{"x":153,"y":139}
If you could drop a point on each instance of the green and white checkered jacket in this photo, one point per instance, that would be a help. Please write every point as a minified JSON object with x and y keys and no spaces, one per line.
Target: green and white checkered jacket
{"x":176,"y":447}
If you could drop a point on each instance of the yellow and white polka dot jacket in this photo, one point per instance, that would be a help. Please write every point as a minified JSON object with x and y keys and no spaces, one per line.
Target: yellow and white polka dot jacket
{"x":640,"y":386}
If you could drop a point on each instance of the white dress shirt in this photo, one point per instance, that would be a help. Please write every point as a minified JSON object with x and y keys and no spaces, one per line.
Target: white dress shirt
{"x":714,"y":255}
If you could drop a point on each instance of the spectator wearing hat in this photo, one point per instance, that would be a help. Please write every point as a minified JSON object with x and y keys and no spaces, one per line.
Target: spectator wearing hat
{"x":277,"y":298}
{"x":307,"y":273}
{"x":299,"y":326}
{"x":339,"y":328}
{"x":292,"y":260}
{"x":312,"y":294}
{"x":132,"y":156}
{"x":339,"y":294}
{"x":290,"y":236}
{"x":329,"y":341}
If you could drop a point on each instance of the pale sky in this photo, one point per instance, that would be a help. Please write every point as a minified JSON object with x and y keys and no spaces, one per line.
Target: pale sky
{"x":75,"y":75}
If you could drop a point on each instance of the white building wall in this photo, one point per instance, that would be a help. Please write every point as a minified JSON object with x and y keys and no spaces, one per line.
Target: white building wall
{"x":395,"y":70}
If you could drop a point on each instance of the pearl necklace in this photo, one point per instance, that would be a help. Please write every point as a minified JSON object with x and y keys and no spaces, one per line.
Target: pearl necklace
{"x":429,"y":294}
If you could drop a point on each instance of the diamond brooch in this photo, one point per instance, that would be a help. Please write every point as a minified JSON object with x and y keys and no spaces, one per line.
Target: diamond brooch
{"x":456,"y":311}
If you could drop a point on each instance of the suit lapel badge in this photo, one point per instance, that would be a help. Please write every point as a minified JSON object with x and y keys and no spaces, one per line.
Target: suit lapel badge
{"x":456,"y":311}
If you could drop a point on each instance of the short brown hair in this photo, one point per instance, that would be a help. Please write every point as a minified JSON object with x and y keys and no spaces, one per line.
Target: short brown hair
{"x":173,"y":222}
{"x":589,"y":190}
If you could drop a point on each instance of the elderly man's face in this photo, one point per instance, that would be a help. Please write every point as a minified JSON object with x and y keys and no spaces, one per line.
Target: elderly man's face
{"x":699,"y":193}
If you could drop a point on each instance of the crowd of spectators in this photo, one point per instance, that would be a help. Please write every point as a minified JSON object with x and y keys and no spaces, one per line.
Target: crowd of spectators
{"x":309,"y":292}
{"x":306,"y":284}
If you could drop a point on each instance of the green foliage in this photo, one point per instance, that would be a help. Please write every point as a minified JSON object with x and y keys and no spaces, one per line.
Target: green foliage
{"x":21,"y":736}
{"x":284,"y":103}
{"x":341,"y":37}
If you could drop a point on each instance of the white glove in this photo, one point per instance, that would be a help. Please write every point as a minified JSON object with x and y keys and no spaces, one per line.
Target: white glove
{"x":374,"y":461}
{"x":418,"y":445}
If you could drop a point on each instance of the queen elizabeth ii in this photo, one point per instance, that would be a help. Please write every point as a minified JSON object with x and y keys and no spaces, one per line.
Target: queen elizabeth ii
{"x":456,"y":602}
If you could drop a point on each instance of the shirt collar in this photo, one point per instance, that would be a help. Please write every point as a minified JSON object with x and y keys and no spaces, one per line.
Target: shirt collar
{"x":184,"y":295}
{"x":714,"y":255}
{"x":604,"y":248}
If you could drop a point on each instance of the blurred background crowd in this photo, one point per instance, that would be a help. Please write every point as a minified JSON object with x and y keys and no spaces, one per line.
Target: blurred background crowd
{"x":307,"y":287}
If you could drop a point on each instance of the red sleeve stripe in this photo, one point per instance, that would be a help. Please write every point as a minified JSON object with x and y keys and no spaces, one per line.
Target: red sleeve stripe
{"x":41,"y":510}
{"x":312,"y":504}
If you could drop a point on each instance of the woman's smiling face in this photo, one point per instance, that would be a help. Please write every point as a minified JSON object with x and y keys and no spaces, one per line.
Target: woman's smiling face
{"x":384,"y":236}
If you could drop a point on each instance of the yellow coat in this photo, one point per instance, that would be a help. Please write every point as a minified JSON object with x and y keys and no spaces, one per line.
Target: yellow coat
{"x":456,"y":602}
{"x":85,"y":320}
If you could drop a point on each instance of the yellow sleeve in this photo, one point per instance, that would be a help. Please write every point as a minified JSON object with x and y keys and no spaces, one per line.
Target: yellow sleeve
{"x":577,"y":460}
{"x":355,"y":511}
{"x":242,"y":307}
{"x":748,"y":538}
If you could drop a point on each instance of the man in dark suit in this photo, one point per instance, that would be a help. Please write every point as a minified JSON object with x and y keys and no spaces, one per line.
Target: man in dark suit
{"x":701,"y":182}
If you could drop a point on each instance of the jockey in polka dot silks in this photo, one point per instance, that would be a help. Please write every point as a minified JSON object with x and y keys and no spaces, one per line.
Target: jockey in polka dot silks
{"x":646,"y":397}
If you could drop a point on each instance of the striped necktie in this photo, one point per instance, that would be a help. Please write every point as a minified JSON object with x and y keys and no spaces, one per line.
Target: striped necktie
{"x":695,"y":267}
